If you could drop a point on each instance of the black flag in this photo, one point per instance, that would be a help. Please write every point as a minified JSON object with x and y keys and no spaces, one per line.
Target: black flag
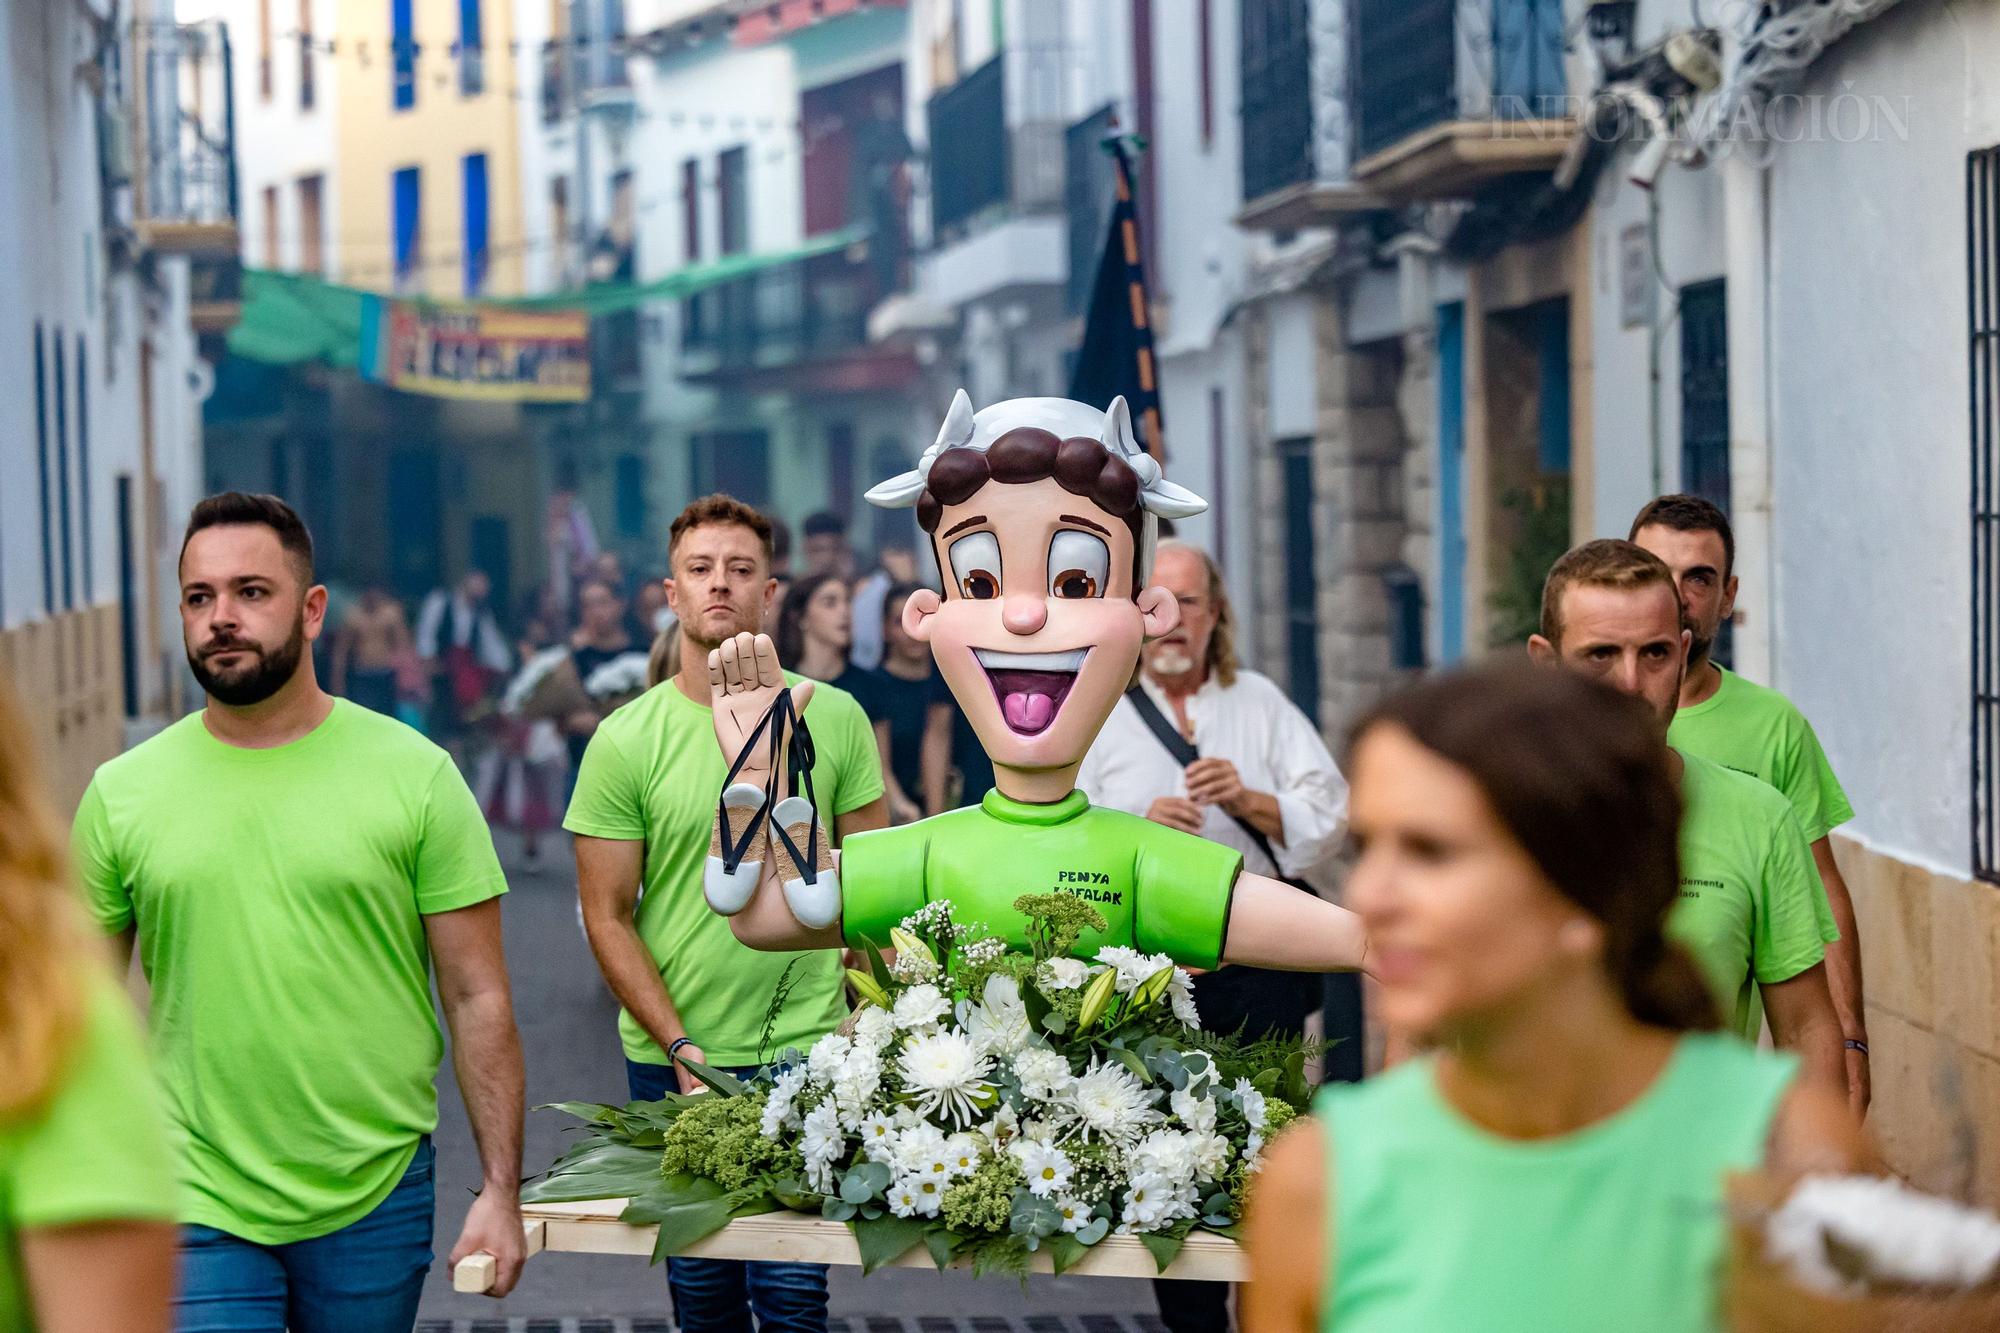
{"x":1117,"y":353}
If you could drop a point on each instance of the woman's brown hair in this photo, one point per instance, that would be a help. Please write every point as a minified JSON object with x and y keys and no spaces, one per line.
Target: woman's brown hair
{"x":1578,"y":774}
{"x":42,"y":941}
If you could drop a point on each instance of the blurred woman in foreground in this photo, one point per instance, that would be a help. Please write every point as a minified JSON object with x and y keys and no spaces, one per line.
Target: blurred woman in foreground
{"x":86,"y":1181}
{"x":1558,"y":1163}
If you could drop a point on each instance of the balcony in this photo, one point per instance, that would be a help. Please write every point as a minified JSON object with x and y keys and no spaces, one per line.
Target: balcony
{"x":184,"y":187}
{"x":1449,"y":95}
{"x":997,"y":192}
{"x":801,"y":326}
{"x":1296,"y":148}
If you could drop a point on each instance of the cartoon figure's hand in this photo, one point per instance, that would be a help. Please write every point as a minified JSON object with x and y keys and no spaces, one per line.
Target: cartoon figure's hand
{"x":743,"y":682}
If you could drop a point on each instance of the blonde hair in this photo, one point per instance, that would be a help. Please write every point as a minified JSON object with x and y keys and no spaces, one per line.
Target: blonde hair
{"x":1222,"y":662}
{"x":663,"y":661}
{"x":1604,"y":563}
{"x":42,"y":939}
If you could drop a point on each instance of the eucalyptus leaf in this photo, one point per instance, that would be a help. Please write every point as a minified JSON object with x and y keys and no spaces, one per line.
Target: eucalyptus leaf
{"x":1214,"y":1220}
{"x":1055,"y":1023}
{"x":838,"y":1210}
{"x":1218,"y":1202}
{"x":856,"y":1189}
{"x":1094,"y":1231}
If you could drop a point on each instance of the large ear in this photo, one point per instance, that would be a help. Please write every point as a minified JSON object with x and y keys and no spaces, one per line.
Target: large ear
{"x":957,"y":428}
{"x":1161,"y":611}
{"x":918,"y":610}
{"x":903,"y":490}
{"x":1118,"y":437}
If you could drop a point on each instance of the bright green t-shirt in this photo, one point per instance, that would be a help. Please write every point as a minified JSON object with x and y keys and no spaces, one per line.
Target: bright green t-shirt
{"x":95,"y":1151}
{"x":279,"y":898}
{"x":653,"y":773}
{"x":1160,"y":890}
{"x":1755,"y":730}
{"x":1751,"y":908}
{"x":1438,"y":1226}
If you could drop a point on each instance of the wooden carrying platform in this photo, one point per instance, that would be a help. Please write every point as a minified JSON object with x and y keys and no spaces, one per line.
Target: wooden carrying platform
{"x":593,"y":1228}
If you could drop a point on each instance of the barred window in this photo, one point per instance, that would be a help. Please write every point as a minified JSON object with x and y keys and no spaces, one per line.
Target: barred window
{"x":1983,"y":264}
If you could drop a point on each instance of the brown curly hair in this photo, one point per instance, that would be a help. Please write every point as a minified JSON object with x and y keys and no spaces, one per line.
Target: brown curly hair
{"x":1028,"y":454}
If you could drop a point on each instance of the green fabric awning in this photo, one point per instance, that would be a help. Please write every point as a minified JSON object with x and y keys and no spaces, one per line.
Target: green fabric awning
{"x":289,"y":318}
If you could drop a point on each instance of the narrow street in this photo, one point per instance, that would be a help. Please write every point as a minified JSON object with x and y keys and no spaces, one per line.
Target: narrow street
{"x":568,"y":1032}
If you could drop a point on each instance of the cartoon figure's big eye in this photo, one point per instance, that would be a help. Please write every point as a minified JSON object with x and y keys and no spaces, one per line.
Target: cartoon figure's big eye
{"x":975,"y":565}
{"x":1078,"y":563}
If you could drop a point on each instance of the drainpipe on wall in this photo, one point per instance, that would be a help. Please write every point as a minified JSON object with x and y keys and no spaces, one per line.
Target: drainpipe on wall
{"x":1746,"y":234}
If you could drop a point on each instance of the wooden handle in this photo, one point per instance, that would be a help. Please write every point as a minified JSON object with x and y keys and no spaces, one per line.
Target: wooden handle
{"x":475,"y":1273}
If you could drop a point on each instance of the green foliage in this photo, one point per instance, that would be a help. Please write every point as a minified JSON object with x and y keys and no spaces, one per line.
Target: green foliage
{"x":1542,"y":526}
{"x":883,"y":1240}
{"x":721,"y":1139}
{"x":779,"y":994}
{"x":983,"y":1201}
{"x":1056,"y":921}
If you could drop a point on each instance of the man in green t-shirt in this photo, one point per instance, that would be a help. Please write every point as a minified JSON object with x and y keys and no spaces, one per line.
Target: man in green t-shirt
{"x":1751,"y":912}
{"x":1754,"y":730}
{"x":1042,"y":514}
{"x":292,"y":866}
{"x":641,"y":815}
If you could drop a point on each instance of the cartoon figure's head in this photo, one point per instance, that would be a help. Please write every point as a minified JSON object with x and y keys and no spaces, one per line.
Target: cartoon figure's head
{"x":1043,"y":514}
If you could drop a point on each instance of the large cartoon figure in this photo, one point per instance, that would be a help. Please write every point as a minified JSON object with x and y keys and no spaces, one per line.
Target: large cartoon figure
{"x":1043,"y":513}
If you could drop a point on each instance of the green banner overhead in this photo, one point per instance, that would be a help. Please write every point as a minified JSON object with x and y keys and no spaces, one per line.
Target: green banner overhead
{"x":292,"y":317}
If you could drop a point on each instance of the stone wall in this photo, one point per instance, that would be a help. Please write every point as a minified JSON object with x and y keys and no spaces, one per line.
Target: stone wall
{"x":1930,"y":954}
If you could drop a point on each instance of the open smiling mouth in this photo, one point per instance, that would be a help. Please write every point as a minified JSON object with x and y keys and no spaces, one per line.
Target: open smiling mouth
{"x":1031,"y":687}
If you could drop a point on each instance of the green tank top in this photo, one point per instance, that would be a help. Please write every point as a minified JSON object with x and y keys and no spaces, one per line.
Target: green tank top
{"x":1439,"y":1225}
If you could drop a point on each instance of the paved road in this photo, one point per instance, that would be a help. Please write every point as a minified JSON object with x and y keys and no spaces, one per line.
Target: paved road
{"x":568,"y":1030}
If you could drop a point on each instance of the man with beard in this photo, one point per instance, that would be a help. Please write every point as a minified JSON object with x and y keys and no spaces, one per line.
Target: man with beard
{"x":292,"y":866}
{"x":1751,"y":910}
{"x":1209,"y":747}
{"x":644,"y":804}
{"x":1730,"y":721}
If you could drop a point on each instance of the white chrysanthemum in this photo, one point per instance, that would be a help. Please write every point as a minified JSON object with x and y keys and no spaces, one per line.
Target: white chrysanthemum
{"x":1062,"y":974}
{"x":916,"y":1145}
{"x":873,"y":1029}
{"x":998,"y":1025}
{"x":1148,"y":1201}
{"x":823,"y":1062}
{"x":947,"y":1076}
{"x":1133,"y":967}
{"x":778,"y":1113}
{"x":1211,"y":1156}
{"x":903,"y":1201}
{"x":1252,"y":1147}
{"x":962,"y":1152}
{"x":929,"y":1191}
{"x":1075,"y":1214}
{"x":1043,"y":1073}
{"x":1111,"y":1103}
{"x":1046,"y":1167}
{"x":920,"y":1007}
{"x":1898,"y":1236}
{"x":1196,"y":1113}
{"x":1180,"y":995}
{"x":1252,"y":1102}
{"x":879,"y":1137}
{"x":823,"y":1143}
{"x":1165,"y":1153}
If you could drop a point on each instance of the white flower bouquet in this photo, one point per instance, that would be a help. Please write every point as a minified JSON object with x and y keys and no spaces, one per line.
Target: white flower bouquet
{"x":983,"y":1103}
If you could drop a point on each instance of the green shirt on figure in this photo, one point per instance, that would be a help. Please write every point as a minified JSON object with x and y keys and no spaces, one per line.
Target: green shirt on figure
{"x":1436,"y":1224}
{"x":95,"y":1151}
{"x":1752,"y":908}
{"x":1160,"y":890}
{"x":652,"y":773}
{"x":279,"y":897}
{"x":1755,"y":730}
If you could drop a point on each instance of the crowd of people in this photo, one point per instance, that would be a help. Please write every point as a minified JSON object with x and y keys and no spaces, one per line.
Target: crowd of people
{"x":1589,"y":881}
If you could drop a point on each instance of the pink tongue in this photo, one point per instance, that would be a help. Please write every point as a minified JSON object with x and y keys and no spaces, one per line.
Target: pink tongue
{"x":1028,"y":712}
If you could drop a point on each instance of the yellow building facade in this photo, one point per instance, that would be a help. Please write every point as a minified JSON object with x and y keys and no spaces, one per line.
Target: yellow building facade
{"x":424,"y":114}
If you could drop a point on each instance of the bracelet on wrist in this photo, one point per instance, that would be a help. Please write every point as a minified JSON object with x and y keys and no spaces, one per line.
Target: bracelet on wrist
{"x":675,"y":1047}
{"x":1851,"y":1044}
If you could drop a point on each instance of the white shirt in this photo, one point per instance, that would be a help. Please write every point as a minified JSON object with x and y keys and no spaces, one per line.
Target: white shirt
{"x":471,"y":627}
{"x":1275,"y":749}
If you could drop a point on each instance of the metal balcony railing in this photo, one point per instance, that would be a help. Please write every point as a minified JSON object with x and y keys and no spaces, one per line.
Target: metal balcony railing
{"x":799,"y":311}
{"x":1419,"y":63}
{"x":968,"y":142}
{"x":185,"y":176}
{"x":1276,"y":55}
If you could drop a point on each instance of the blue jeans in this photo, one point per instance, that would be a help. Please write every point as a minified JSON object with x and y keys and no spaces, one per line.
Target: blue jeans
{"x":720,"y":1295}
{"x":366,"y":1277}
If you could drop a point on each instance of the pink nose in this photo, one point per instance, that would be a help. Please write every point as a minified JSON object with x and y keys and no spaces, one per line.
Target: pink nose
{"x":1023,"y":614}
